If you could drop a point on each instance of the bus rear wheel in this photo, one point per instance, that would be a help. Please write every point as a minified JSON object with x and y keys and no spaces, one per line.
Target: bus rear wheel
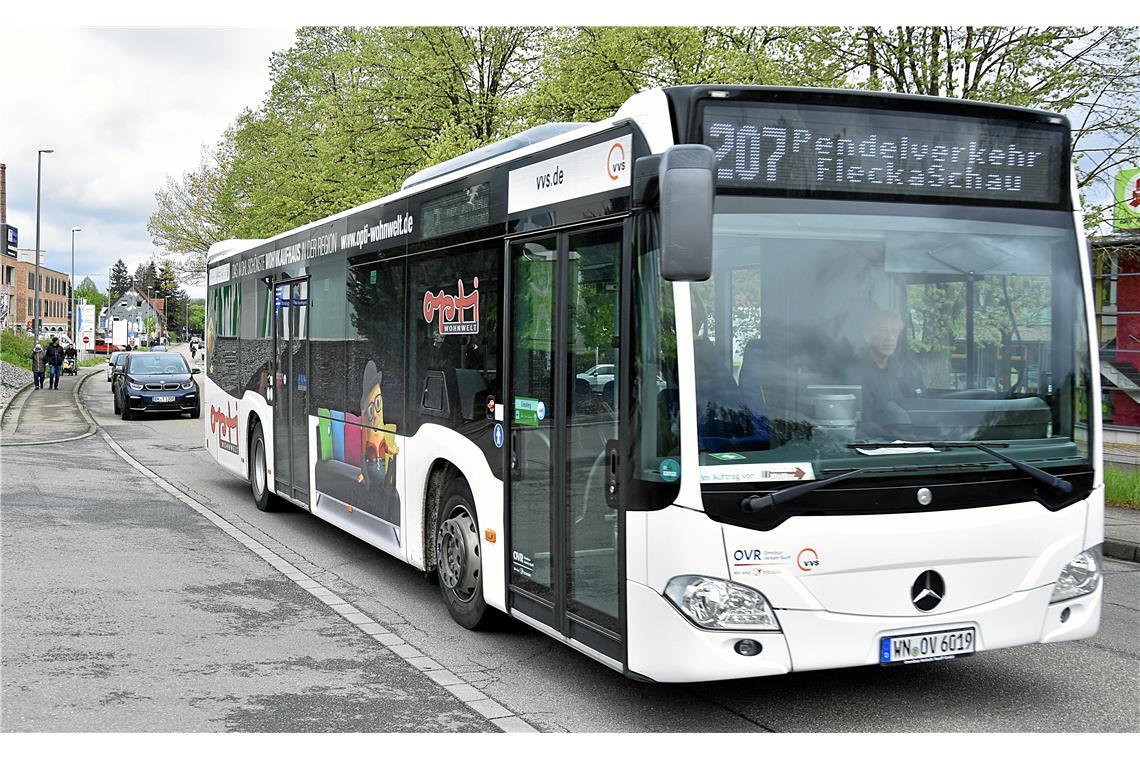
{"x":459,"y":562}
{"x":258,"y":479}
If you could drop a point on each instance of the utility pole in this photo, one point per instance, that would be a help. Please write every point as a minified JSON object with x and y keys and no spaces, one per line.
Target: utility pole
{"x":39,"y":170}
{"x":71,"y":321}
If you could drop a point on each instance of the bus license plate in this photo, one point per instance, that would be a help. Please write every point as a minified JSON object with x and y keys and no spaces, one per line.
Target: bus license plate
{"x":926,"y":647}
{"x":164,"y":399}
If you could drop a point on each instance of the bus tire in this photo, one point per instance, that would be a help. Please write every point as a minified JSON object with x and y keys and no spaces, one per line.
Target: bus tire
{"x":458,"y":554}
{"x":258,"y":479}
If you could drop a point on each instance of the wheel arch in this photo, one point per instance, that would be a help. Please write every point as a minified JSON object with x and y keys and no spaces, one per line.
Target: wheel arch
{"x":440,"y":472}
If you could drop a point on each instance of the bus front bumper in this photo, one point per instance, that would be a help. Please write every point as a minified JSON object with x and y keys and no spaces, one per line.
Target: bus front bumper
{"x":665,"y":646}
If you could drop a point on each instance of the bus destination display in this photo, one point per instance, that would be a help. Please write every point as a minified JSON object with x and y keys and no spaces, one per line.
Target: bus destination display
{"x":860,"y":150}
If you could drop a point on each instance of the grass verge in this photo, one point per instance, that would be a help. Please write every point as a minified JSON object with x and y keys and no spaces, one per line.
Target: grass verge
{"x":1122,"y":488}
{"x":16,"y":348}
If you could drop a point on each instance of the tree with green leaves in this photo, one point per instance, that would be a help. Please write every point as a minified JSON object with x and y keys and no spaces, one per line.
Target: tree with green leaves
{"x":197,"y":321}
{"x":194,"y":212}
{"x":145,"y":278}
{"x":352,"y":112}
{"x":175,"y":298}
{"x":120,"y":279}
{"x":588,"y":72}
{"x":92,"y":295}
{"x":1092,"y":74}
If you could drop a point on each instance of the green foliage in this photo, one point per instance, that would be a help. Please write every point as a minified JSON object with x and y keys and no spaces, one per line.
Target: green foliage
{"x":352,"y":112}
{"x":16,"y":348}
{"x":120,"y":279}
{"x":145,"y":278}
{"x":197,"y":317}
{"x":93,"y":296}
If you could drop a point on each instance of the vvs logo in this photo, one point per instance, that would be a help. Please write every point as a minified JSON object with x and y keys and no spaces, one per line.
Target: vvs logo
{"x":615,"y":161}
{"x":808,"y":559}
{"x":225,"y":426}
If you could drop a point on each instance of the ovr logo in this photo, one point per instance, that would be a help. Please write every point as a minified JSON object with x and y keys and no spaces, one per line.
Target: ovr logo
{"x":615,"y":161}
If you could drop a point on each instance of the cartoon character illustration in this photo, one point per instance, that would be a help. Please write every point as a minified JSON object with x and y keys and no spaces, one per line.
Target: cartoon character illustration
{"x":378,"y":442}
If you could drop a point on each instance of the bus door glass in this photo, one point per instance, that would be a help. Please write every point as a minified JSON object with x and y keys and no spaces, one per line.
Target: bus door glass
{"x":290,"y":437}
{"x":564,"y":391}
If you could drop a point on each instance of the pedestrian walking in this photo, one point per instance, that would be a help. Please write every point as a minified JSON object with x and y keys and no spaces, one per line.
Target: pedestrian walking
{"x":39,"y":363}
{"x":55,"y":363}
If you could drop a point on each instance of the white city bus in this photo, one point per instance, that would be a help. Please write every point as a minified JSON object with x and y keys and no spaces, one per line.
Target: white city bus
{"x":741,"y":381}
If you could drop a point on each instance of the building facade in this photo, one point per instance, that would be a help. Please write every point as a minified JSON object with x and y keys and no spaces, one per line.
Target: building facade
{"x":19,"y":280}
{"x":1116,"y":297}
{"x":134,"y":307}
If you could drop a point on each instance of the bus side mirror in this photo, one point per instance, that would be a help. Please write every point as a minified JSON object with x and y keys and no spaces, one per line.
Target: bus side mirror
{"x":687,"y":179}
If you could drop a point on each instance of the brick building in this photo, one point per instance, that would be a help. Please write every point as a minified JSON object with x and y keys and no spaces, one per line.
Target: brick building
{"x":55,"y":294}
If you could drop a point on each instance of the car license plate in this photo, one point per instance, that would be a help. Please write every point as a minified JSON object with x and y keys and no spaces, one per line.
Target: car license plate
{"x":926,"y":647}
{"x":164,"y":399}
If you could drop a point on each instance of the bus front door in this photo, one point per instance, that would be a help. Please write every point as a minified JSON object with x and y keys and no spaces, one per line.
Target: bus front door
{"x":565,"y":538}
{"x":290,"y":402}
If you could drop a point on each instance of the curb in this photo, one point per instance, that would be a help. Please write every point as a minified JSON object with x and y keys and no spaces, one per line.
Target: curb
{"x":1129,"y":551}
{"x":92,"y":426}
{"x":12,"y":402}
{"x":499,"y":715}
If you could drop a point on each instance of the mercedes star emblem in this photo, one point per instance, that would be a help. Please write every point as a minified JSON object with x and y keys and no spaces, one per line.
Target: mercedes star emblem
{"x":927,"y":591}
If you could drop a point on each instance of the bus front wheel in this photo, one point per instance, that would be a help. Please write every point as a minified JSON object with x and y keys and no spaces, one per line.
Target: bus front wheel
{"x":459,"y":562}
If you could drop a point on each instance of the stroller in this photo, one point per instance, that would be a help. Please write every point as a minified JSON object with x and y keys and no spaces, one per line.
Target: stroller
{"x":70,"y":363}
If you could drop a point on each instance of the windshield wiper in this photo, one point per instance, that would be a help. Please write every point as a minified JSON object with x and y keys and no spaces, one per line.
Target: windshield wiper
{"x":1058,"y":484}
{"x":756,"y":503}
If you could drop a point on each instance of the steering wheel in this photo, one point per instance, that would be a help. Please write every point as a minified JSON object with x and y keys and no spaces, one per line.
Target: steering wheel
{"x":982,"y":394}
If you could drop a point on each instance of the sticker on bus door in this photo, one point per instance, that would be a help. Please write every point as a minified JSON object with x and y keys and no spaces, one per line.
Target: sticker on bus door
{"x":753,"y":473}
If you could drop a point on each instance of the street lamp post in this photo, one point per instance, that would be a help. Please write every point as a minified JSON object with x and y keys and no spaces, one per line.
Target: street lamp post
{"x":71,"y":322}
{"x":39,"y":166}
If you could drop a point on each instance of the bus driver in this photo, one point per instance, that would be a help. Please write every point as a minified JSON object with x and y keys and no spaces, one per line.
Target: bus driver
{"x":886,"y":378}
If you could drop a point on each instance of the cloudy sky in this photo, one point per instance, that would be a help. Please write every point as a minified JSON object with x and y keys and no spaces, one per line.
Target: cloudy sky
{"x":124,"y":108}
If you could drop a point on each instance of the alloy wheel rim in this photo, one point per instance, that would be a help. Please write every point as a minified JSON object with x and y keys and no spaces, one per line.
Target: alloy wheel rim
{"x":259,"y":467}
{"x":457,"y":547}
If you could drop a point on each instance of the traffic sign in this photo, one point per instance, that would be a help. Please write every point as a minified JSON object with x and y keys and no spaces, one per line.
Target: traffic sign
{"x":86,"y":339}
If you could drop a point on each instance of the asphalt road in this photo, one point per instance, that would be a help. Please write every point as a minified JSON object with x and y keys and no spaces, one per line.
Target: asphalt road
{"x":1091,"y":685}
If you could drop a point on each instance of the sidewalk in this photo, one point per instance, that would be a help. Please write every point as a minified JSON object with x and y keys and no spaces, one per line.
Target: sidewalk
{"x":42,"y":415}
{"x":127,"y":611}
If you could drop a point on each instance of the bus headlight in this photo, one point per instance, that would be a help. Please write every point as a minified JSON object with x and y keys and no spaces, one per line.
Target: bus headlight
{"x":1079,"y":577}
{"x":713,"y":603}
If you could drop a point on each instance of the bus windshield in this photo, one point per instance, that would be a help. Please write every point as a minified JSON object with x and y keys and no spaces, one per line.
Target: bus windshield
{"x":868,"y":322}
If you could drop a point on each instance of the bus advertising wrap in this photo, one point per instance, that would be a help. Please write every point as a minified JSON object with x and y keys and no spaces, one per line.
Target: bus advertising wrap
{"x":818,"y":149}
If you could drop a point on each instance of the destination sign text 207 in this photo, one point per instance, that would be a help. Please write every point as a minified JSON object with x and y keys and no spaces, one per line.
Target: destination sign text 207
{"x":859,"y":150}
